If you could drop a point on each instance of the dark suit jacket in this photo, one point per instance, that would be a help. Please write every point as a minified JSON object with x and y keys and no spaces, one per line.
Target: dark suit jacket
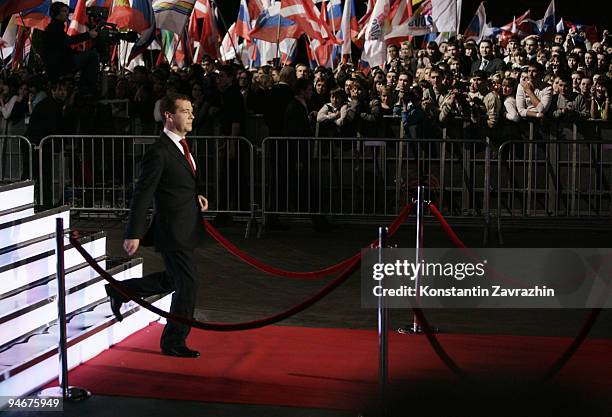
{"x":167,"y":178}
{"x":296,"y":120}
{"x":47,"y":119}
{"x":277,"y":99}
{"x":494,"y":65}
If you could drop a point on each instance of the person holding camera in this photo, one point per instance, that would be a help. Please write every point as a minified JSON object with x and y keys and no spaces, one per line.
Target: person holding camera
{"x":59,"y":58}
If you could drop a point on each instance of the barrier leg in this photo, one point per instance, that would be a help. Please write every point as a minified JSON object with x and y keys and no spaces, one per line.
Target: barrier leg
{"x":64,"y":390}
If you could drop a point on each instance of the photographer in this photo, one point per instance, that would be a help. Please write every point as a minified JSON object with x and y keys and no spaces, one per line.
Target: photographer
{"x":59,"y":58}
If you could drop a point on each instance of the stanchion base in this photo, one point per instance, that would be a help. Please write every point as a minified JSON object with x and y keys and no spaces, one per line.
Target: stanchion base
{"x":410,"y":329}
{"x":73,"y":394}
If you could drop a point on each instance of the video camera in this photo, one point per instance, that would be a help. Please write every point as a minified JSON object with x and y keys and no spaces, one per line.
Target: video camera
{"x":108,"y":33}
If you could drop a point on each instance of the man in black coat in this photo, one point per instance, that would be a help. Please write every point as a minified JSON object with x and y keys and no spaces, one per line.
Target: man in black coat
{"x":169,"y":177}
{"x":277,"y":99}
{"x":48,"y":117}
{"x":59,"y":58}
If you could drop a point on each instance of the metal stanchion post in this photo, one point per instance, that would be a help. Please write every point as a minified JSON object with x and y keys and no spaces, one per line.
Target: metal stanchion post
{"x":383,"y":331}
{"x":415,"y":327}
{"x":64,"y":391}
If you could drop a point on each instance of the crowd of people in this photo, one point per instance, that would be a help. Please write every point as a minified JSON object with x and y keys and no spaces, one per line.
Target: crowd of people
{"x":493,"y":86}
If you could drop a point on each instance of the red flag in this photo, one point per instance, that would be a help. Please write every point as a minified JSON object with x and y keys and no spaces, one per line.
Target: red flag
{"x":78,"y":24}
{"x":209,"y":35}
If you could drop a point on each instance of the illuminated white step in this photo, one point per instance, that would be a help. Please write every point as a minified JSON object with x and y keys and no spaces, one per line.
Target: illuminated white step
{"x":17,"y":213}
{"x":28,"y":366}
{"x":34,"y":307}
{"x":39,"y":224}
{"x":28,"y":249}
{"x":16,"y":194}
{"x":24,"y":272}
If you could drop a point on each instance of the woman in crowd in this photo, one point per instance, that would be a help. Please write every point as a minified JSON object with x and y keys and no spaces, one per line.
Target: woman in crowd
{"x":14,"y":107}
{"x":330,"y":116}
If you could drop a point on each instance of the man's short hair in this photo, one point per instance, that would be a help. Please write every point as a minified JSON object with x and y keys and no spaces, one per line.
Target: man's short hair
{"x":56,"y":8}
{"x":480,"y":74}
{"x":287,"y":75}
{"x":301,"y":84}
{"x":537,"y":66}
{"x":228,"y":70}
{"x":169,"y":102}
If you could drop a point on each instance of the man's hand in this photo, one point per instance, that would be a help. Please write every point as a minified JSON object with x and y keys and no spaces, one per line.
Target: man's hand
{"x":203,"y":203}
{"x":93,"y":34}
{"x":131,"y":246}
{"x":527,"y":86}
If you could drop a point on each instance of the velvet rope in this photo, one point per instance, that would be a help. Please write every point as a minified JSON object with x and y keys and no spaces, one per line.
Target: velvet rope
{"x":446,"y":227}
{"x":218,"y":326}
{"x":233,"y":249}
{"x":573,"y":347}
{"x":437,"y":346}
{"x":351,"y":265}
{"x":551,"y":371}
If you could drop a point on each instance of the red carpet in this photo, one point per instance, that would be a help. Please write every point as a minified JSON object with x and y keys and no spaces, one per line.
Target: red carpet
{"x":322,"y":368}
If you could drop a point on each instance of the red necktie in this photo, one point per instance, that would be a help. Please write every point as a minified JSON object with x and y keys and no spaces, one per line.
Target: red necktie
{"x":187,"y":153}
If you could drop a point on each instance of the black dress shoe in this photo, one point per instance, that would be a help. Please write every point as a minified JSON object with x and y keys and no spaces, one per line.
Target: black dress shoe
{"x":115,"y":302}
{"x":180,"y":352}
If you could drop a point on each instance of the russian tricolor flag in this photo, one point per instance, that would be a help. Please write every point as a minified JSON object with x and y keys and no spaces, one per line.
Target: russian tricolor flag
{"x":475,"y":29}
{"x":267,"y":26}
{"x":243,"y":21}
{"x":10,"y":7}
{"x":37,"y":17}
{"x":547,"y":23}
{"x":334,"y":14}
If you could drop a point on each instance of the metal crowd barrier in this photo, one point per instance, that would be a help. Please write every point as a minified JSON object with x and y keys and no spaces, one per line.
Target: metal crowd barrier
{"x":388,"y":127}
{"x":98,"y":173}
{"x":548,"y":170}
{"x":371,"y":176}
{"x":15,"y":158}
{"x":561,"y":178}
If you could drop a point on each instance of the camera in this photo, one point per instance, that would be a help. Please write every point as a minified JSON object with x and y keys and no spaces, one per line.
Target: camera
{"x":108,"y":33}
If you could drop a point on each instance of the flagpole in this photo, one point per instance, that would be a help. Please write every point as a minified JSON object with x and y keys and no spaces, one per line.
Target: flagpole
{"x":456,"y":18}
{"x":175,"y":47}
{"x":1,"y":53}
{"x":278,"y":38}
{"x":316,"y":58}
{"x":32,"y":49}
{"x":214,"y":4}
{"x":334,"y":33}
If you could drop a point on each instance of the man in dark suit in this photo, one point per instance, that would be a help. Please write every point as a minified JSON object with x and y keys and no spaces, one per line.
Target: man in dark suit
{"x":169,"y":176}
{"x":487,"y":62}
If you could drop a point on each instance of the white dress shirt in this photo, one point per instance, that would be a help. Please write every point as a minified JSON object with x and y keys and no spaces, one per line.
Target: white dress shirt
{"x":176,"y":139}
